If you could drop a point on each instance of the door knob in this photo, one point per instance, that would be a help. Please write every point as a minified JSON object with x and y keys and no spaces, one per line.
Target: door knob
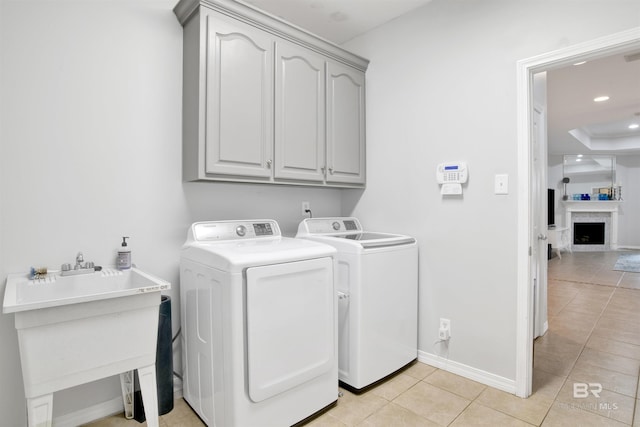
{"x":542,"y":237}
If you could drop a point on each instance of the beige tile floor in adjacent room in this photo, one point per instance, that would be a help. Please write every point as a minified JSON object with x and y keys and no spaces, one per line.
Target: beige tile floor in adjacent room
{"x":593,"y":338}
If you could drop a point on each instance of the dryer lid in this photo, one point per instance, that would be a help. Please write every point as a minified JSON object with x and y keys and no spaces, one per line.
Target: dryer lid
{"x":224,"y":246}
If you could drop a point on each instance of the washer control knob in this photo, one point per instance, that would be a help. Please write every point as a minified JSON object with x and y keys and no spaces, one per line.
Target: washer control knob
{"x":241,"y":230}
{"x":336,"y":225}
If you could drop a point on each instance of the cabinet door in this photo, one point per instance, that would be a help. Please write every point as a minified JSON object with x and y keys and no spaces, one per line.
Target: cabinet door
{"x":345,"y":125}
{"x":299,"y":114}
{"x":239,"y":100}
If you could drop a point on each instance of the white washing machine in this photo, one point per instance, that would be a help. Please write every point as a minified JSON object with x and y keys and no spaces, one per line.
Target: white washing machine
{"x":259,"y":324}
{"x":377,"y":285}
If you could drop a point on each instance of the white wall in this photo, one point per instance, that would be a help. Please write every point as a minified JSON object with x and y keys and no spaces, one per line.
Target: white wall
{"x":90,"y":150}
{"x":442,"y":86}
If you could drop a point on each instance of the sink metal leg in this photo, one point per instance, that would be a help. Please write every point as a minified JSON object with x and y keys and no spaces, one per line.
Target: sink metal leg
{"x":149,"y":389}
{"x":40,"y":410}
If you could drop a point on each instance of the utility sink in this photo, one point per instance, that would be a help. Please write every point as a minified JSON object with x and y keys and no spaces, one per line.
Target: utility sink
{"x":54,"y":290}
{"x":80,"y":328}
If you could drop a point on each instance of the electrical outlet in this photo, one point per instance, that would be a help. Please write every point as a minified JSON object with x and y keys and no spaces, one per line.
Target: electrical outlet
{"x":444,"y":333}
{"x":306,"y":206}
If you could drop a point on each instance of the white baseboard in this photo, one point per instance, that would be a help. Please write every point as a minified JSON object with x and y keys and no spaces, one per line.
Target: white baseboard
{"x":104,"y":409}
{"x":92,"y":413}
{"x":474,"y":374}
{"x":629,"y":247}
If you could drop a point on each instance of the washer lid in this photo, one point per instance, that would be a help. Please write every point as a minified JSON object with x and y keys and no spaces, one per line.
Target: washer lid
{"x":347,"y":232}
{"x":377,"y":240}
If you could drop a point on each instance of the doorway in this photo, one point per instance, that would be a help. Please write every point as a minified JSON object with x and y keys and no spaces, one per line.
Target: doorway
{"x":528,"y":222}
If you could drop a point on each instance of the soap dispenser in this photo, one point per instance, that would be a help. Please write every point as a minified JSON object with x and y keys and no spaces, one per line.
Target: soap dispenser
{"x":123,"y":262}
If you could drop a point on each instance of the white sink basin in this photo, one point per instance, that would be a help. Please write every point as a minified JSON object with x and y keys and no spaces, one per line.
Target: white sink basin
{"x":23,"y":294}
{"x":77,"y":329}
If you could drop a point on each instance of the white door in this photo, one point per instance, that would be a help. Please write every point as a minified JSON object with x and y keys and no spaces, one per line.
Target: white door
{"x":291,"y":325}
{"x":299,"y":114}
{"x":539,"y":204}
{"x":239,"y":101}
{"x":345,"y":124}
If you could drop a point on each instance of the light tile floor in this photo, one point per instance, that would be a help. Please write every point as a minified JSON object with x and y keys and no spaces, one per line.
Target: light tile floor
{"x":593,"y":337}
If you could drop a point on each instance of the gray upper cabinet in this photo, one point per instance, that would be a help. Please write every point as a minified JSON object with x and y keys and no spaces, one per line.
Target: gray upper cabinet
{"x":299,"y":113}
{"x":345,"y":125}
{"x":267,"y":102}
{"x":239,"y":99}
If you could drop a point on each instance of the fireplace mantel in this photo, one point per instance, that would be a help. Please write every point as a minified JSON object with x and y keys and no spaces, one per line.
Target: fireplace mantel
{"x":592,"y":205}
{"x":595,"y":206}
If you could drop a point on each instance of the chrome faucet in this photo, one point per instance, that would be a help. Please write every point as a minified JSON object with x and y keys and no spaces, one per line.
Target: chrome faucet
{"x":79,"y":261}
{"x":80,"y":268}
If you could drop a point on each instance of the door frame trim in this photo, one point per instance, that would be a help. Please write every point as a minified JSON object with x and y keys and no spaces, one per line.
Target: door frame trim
{"x":526,"y":68}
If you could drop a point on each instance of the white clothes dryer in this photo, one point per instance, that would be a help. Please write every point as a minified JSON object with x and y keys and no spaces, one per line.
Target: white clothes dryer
{"x":377,"y":284}
{"x":259,"y":324}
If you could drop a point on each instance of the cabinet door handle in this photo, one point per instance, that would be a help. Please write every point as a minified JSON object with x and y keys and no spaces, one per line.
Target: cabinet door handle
{"x":269,"y":164}
{"x":331,"y":171}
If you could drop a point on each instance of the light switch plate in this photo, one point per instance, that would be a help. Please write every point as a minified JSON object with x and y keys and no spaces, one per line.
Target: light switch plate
{"x":502,"y":184}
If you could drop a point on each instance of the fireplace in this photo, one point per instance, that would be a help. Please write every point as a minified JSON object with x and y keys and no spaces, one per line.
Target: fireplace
{"x":588,"y":233}
{"x":593,"y":211}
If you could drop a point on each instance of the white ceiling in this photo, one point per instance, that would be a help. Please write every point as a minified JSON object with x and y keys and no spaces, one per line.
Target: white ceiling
{"x":570,"y":90}
{"x":338,"y":20}
{"x":603,"y":126}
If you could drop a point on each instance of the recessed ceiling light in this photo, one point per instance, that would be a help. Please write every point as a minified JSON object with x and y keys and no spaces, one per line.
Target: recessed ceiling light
{"x":339,"y":16}
{"x":634,"y":126}
{"x":579,"y":155}
{"x":578,"y":160}
{"x":601,"y":98}
{"x":580,"y":63}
